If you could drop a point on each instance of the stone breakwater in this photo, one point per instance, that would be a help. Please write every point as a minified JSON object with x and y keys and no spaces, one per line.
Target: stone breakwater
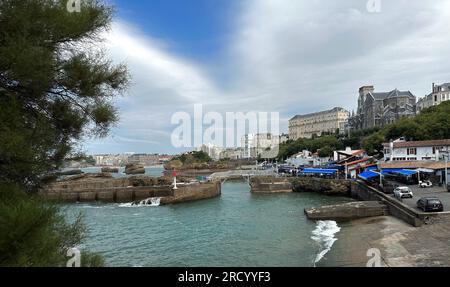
{"x":124,"y":190}
{"x":270,"y":184}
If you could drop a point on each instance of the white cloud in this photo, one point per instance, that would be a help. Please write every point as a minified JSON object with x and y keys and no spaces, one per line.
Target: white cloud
{"x":290,"y":56}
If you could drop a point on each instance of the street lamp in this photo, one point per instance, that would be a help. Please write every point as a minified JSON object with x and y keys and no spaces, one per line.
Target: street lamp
{"x":381,"y":177}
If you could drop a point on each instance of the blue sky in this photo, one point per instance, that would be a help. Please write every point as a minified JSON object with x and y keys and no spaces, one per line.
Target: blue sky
{"x":194,"y":28}
{"x":286,"y":56}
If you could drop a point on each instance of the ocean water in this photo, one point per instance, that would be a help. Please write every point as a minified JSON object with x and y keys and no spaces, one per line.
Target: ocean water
{"x":237,"y":229}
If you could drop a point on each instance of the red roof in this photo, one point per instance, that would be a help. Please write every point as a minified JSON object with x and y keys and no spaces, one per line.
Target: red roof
{"x":435,"y":143}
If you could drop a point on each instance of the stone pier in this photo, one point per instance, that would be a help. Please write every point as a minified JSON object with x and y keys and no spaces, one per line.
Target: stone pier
{"x":124,"y":190}
{"x":347,"y":211}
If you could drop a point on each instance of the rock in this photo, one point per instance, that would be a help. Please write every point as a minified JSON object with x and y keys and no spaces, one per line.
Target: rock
{"x":110,"y":170}
{"x":142,"y":181}
{"x":321,"y":185}
{"x":89,"y":176}
{"x":174,"y":164}
{"x":134,"y":169}
{"x":348,"y":211}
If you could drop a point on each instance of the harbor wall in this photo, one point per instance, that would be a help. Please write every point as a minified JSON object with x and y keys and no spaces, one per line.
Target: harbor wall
{"x":118,"y":191}
{"x":270,"y":184}
{"x":361,"y":191}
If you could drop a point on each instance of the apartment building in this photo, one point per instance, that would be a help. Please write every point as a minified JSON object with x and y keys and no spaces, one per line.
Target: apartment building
{"x":309,"y":125}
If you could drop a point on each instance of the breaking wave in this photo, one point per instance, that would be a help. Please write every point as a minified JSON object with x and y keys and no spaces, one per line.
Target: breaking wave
{"x":154,"y":201}
{"x":324,"y":236}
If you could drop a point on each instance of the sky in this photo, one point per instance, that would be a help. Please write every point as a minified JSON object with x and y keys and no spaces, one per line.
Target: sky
{"x":286,"y":56}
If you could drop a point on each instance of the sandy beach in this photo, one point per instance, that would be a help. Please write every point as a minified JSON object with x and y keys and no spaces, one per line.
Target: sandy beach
{"x":400,"y":244}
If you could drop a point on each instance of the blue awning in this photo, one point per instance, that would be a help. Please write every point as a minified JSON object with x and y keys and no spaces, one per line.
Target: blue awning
{"x":406,"y":172}
{"x":319,"y":170}
{"x":368,"y":175}
{"x":372,"y":168}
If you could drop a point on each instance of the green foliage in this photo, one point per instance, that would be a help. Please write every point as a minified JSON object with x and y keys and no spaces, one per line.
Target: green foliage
{"x":194,"y":157}
{"x":292,"y":147}
{"x":53,"y":88}
{"x":373,"y":144}
{"x":326,"y":151}
{"x":432,"y":124}
{"x":53,"y":91}
{"x":33,"y":232}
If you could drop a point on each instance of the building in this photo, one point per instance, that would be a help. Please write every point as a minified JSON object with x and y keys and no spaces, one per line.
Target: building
{"x":259,"y":145}
{"x":401,"y":150}
{"x":380,"y":109}
{"x":213,"y":151}
{"x":306,"y":158}
{"x":353,"y":162}
{"x":430,"y":170}
{"x":439,"y":94}
{"x":144,"y":159}
{"x":231,"y":153}
{"x":247,"y":146}
{"x":315,"y":124}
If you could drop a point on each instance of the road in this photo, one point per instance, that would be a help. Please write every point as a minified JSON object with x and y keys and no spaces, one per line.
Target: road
{"x":436,"y":191}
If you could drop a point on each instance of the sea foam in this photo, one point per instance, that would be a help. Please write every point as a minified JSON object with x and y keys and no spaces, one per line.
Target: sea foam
{"x":324,"y":236}
{"x":152,"y":202}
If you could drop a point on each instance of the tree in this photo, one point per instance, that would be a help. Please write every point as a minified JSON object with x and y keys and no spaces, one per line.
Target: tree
{"x":55,"y":88}
{"x":326,"y":151}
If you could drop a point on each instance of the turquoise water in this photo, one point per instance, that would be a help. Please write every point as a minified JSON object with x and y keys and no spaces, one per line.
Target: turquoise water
{"x":237,"y":229}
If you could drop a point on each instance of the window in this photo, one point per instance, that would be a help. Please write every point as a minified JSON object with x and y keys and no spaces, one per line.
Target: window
{"x":435,"y":98}
{"x":412,"y":151}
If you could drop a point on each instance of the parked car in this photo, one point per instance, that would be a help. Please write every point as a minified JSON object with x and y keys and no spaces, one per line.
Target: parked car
{"x":430,"y":204}
{"x":425,"y":184}
{"x":285,"y":169}
{"x":403,"y":192}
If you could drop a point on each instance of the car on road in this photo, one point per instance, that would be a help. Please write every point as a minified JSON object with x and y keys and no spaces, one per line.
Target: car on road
{"x":425,"y":184}
{"x":430,"y":204}
{"x":403,"y":192}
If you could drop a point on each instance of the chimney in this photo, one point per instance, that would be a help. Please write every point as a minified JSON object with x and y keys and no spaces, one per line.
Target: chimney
{"x":433,"y":87}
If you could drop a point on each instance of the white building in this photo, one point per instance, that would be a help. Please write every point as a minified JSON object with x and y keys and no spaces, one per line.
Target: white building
{"x":305,"y":158}
{"x":264,"y":145}
{"x":401,"y":150}
{"x":213,"y":151}
{"x":439,"y":94}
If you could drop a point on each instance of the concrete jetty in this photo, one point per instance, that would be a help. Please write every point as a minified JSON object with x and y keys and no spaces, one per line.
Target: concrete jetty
{"x":347,"y":211}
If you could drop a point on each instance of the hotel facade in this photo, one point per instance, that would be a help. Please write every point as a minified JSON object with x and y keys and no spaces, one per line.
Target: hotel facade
{"x":306,"y":126}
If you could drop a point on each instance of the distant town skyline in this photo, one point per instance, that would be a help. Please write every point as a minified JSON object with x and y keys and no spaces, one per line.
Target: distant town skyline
{"x":291,"y":57}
